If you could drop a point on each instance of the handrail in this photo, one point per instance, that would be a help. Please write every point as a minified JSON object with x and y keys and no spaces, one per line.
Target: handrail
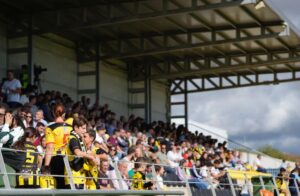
{"x":232,"y":141}
{"x":230,"y":183}
{"x":84,"y":192}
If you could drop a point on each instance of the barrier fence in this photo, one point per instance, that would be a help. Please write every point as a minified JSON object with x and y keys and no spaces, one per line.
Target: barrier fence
{"x":234,"y":182}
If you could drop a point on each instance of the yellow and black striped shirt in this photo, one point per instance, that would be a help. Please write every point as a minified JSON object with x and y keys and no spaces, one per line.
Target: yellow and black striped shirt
{"x":28,"y":172}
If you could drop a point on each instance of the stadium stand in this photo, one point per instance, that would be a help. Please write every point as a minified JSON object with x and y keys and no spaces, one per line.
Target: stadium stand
{"x":51,"y":142}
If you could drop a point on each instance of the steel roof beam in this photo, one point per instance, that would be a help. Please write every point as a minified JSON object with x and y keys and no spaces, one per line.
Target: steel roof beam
{"x":137,"y":16}
{"x":195,"y":30}
{"x":165,"y":49}
{"x":119,"y":54}
{"x":193,"y":65}
{"x":224,"y":69}
{"x":235,"y":80}
{"x":64,"y":6}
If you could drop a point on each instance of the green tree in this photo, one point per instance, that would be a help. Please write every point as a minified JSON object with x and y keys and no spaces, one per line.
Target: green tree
{"x":271,"y":151}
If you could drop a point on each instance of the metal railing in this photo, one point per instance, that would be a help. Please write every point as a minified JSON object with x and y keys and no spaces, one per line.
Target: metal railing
{"x":224,"y":184}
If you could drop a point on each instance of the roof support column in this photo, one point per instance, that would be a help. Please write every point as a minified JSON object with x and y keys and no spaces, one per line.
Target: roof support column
{"x":29,"y":51}
{"x":97,"y":73}
{"x":182,"y":101}
{"x":147,"y":88}
{"x":185,"y":103}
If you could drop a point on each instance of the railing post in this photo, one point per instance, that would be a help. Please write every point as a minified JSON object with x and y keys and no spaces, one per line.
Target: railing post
{"x":250,"y":190}
{"x":276,"y":188}
{"x":262,"y":182}
{"x":296,"y":185}
{"x":118,"y":175}
{"x":186,"y":181}
{"x":155,"y":176}
{"x":69,"y":172}
{"x":231,"y":184}
{"x":213,"y":191}
{"x":3,"y":170}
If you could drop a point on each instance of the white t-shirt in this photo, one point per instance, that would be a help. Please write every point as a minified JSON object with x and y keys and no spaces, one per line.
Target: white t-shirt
{"x":45,"y":123}
{"x":215,"y":171}
{"x":257,"y":164}
{"x":174,"y":156}
{"x":11,"y":85}
{"x":160,"y":182}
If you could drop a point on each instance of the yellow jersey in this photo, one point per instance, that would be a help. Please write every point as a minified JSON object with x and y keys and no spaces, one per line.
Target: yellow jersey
{"x":58,"y":134}
{"x":91,"y":172}
{"x":76,"y":163}
{"x":29,"y":169}
{"x":47,"y":182}
{"x":139,"y":182}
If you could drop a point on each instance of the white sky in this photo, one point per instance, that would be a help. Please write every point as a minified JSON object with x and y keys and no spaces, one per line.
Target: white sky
{"x":258,"y":115}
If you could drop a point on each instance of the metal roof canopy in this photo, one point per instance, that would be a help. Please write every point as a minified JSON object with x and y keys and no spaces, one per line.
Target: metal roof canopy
{"x":222,"y":43}
{"x":189,"y":45}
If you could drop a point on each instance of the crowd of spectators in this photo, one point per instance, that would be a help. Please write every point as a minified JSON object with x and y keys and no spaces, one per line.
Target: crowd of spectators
{"x":108,"y":141}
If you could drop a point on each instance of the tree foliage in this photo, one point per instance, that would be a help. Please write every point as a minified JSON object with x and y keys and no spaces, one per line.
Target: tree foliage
{"x":273,"y":152}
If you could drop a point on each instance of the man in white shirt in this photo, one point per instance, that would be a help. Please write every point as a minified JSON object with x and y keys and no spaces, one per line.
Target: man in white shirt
{"x":12,"y":89}
{"x":39,"y":117}
{"x":120,"y":177}
{"x":258,"y":165}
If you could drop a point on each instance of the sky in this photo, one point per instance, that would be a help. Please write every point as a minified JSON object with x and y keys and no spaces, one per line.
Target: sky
{"x":258,"y":116}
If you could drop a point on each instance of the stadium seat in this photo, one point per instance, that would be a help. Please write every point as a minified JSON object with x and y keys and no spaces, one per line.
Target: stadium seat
{"x":12,"y":178}
{"x":264,"y":192}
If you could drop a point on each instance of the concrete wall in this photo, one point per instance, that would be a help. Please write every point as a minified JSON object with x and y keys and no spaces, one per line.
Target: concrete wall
{"x":15,"y":61}
{"x":159,"y":101}
{"x":59,"y":60}
{"x":267,"y":162}
{"x":3,"y":44}
{"x":61,"y":64}
{"x":114,"y":89}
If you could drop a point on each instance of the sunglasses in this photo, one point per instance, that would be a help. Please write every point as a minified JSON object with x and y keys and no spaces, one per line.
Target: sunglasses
{"x":28,"y":116}
{"x":2,"y":114}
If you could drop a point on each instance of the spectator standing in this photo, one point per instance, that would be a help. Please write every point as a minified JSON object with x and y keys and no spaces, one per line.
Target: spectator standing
{"x":92,"y":172}
{"x":32,"y":159}
{"x":57,"y":135}
{"x":12,"y":89}
{"x":76,"y":152}
{"x":281,"y":180}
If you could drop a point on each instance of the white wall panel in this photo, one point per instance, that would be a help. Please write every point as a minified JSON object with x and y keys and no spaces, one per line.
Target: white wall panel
{"x":114,"y":89}
{"x":159,"y":101}
{"x":61,"y":64}
{"x":3,"y":48}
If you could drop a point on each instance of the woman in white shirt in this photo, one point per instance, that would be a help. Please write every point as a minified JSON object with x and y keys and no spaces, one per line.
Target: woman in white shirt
{"x":12,"y":130}
{"x":174,"y":156}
